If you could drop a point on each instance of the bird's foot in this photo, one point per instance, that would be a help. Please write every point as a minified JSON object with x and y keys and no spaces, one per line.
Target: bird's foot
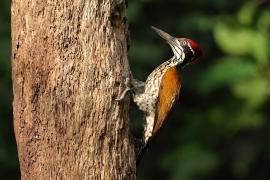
{"x":128,"y":88}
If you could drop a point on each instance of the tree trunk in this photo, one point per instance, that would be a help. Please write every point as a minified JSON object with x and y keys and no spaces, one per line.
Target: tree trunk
{"x":69,"y":64}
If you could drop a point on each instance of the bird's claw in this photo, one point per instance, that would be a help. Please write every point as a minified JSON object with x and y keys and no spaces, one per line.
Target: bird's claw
{"x":123,"y":94}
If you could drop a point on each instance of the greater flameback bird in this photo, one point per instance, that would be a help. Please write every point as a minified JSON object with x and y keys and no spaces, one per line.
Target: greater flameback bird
{"x":157,"y":96}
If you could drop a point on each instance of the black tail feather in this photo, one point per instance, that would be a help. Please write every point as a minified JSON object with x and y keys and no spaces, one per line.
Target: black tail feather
{"x":140,"y":152}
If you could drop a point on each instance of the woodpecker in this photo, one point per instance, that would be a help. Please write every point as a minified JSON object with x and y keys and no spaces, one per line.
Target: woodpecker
{"x":157,"y":96}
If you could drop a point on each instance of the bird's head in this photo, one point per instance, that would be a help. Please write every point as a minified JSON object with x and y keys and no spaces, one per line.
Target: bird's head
{"x":185,"y":50}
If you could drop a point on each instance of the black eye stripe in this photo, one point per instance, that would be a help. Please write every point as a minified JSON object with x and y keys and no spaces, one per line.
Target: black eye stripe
{"x":188,"y":53}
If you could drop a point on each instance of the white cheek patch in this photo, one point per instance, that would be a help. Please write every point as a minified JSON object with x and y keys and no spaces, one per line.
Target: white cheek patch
{"x":191,"y":49}
{"x":178,"y":52}
{"x":175,"y":53}
{"x":182,"y":54}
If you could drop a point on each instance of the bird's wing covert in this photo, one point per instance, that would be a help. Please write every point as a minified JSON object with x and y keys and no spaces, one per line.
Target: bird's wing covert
{"x":168,"y":95}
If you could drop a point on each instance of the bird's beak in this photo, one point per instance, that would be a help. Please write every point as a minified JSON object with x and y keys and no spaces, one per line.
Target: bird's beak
{"x":170,"y":39}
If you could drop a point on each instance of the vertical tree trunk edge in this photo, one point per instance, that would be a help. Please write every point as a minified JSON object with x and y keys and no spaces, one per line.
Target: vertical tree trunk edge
{"x":69,"y":63}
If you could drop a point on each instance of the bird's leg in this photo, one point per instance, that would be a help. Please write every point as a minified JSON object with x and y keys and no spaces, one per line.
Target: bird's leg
{"x":136,"y":87}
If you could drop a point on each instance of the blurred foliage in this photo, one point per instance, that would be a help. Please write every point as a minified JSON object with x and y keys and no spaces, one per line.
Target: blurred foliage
{"x":220,"y":127}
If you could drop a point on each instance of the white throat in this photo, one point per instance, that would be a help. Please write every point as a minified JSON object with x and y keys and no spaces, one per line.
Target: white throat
{"x":179,"y":55}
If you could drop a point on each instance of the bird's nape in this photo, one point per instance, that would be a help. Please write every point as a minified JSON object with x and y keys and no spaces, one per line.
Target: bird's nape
{"x":196,"y":48}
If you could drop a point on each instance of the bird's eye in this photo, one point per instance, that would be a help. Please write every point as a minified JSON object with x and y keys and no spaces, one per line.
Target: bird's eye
{"x":183,"y":43}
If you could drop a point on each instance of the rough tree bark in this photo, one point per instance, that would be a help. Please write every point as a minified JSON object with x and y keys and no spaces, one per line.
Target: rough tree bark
{"x":69,"y":62}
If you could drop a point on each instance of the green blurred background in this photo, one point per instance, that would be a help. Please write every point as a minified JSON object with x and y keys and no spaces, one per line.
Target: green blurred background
{"x":220,"y":129}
